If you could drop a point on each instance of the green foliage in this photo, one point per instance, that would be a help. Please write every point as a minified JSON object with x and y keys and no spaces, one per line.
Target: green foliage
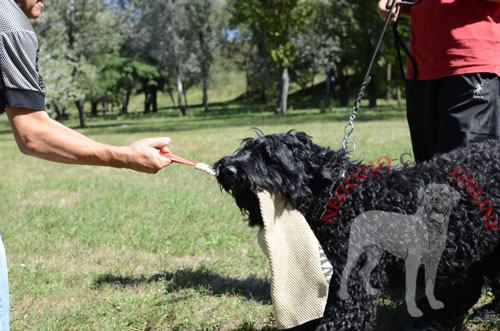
{"x":119,"y":73}
{"x":273,"y":23}
{"x":73,"y":34}
{"x":179,"y":40}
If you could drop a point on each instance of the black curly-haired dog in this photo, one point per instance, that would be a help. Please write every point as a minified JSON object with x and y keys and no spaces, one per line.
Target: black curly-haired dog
{"x":312,"y":177}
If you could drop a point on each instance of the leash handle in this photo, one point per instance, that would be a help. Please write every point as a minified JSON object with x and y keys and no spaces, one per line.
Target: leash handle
{"x":409,"y":3}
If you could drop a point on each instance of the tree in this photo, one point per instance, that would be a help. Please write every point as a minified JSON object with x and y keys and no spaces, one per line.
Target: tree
{"x":356,"y":27}
{"x":273,"y":24}
{"x":157,"y":36}
{"x":87,"y":28}
{"x":55,"y":67}
{"x":318,"y":47}
{"x":204,"y":23}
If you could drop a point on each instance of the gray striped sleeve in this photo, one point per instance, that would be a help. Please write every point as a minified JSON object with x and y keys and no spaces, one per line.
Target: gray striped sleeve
{"x":22,"y":85}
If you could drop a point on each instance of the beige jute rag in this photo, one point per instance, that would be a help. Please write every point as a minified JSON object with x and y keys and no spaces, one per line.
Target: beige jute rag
{"x":300,"y":271}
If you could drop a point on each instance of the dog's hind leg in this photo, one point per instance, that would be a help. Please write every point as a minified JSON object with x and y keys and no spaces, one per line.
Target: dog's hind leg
{"x":373,"y":255}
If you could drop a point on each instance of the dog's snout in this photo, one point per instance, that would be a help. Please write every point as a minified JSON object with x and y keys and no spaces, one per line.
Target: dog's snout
{"x":231,"y":170}
{"x":226,"y":175}
{"x":227,"y":171}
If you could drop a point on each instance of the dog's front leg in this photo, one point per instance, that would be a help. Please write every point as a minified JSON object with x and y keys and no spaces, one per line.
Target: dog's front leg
{"x":412,"y":264}
{"x":430,"y":279}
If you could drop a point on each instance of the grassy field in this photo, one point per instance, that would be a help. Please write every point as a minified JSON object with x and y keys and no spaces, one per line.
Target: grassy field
{"x":108,"y":249}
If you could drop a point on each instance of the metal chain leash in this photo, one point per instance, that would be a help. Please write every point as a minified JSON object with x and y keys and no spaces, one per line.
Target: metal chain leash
{"x":349,"y":127}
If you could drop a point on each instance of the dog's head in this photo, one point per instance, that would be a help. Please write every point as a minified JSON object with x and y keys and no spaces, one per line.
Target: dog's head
{"x":437,"y":201}
{"x":287,"y":164}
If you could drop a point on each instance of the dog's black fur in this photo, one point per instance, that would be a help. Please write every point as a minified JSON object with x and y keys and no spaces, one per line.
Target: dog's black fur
{"x":290,"y":165}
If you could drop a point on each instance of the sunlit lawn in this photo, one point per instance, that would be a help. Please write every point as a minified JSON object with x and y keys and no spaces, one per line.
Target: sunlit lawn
{"x":108,"y":249}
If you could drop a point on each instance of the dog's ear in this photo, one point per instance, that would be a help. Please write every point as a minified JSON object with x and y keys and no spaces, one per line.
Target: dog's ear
{"x":258,"y":131}
{"x":303,"y":137}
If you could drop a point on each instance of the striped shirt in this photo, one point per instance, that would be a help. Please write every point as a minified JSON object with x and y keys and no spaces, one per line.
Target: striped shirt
{"x":21,"y":84}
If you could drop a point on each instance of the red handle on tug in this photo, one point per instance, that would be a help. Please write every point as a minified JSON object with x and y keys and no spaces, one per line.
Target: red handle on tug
{"x":178,"y":159}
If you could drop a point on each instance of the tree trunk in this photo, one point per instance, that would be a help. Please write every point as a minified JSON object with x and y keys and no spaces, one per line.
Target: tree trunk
{"x":328,"y":86}
{"x":171,"y":95}
{"x":126,"y":99}
{"x":372,"y":98}
{"x":147,"y":102}
{"x":57,"y":109}
{"x":277,"y":106}
{"x":80,"y":104}
{"x":205,"y":96}
{"x":185,"y":98}
{"x":388,"y":93}
{"x":104,"y":104}
{"x":398,"y":94}
{"x":247,"y":88}
{"x":93,"y":108}
{"x":343,"y":96}
{"x":180,"y":101}
{"x":154,"y":100}
{"x":268,"y":84}
{"x":285,"y":83}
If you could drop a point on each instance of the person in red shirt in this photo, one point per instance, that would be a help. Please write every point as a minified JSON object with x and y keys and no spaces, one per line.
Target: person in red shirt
{"x":452,"y":98}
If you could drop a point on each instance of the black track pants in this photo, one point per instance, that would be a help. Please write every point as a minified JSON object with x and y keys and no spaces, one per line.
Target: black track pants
{"x":453,"y":111}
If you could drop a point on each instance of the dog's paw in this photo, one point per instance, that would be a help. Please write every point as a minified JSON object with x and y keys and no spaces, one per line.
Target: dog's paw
{"x":436,"y":304}
{"x":415,"y":312}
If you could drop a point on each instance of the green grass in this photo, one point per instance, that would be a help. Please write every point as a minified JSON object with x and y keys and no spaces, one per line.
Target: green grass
{"x":94,"y":248}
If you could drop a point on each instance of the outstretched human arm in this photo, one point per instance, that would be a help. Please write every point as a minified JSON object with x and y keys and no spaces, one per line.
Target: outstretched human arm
{"x":38,"y":135}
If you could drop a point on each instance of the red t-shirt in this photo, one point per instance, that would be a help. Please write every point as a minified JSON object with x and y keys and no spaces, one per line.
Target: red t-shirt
{"x":451,"y":37}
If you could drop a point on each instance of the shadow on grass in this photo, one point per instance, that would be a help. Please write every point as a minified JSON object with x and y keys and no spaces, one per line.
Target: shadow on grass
{"x":391,"y":315}
{"x":251,"y":288}
{"x":162,"y":124}
{"x":234,"y":116}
